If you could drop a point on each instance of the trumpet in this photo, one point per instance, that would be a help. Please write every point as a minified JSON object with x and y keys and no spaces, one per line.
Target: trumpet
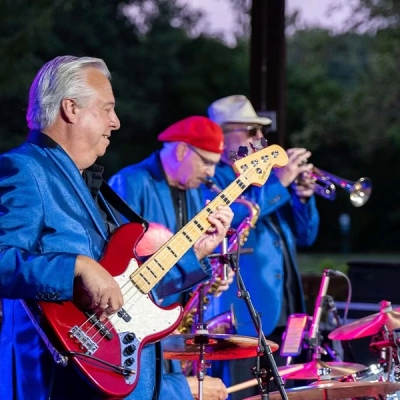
{"x":324,"y":184}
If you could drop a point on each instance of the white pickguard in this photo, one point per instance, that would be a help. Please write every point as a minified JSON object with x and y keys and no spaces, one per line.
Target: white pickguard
{"x":146,"y":317}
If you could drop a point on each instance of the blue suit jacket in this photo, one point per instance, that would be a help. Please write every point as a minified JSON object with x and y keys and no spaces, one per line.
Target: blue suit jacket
{"x":47,"y":218}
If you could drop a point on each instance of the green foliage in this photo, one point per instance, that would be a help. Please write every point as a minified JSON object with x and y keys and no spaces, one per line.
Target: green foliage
{"x":160,"y":72}
{"x":343,"y":95}
{"x":344,"y":105}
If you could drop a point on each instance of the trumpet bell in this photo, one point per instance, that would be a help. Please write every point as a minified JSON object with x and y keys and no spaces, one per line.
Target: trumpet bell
{"x":325,"y":185}
{"x":360,"y":192}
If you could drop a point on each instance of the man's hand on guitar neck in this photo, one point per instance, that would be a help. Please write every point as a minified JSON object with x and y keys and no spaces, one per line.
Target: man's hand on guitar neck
{"x":95,"y":288}
{"x":220,"y":221}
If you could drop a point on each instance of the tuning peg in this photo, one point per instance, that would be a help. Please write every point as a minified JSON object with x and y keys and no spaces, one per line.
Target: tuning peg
{"x":233,"y":156}
{"x":243,"y":151}
{"x":264,"y":142}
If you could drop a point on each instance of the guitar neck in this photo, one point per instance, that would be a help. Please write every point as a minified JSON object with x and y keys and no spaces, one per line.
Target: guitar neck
{"x":154,"y":269}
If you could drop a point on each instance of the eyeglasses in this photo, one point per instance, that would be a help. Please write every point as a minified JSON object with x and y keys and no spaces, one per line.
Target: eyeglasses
{"x":250,"y":129}
{"x":206,"y":161}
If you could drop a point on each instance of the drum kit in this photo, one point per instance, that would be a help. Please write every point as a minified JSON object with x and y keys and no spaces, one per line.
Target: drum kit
{"x":332,"y":379}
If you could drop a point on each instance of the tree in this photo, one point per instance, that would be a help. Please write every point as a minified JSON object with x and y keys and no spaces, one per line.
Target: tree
{"x":156,"y":60}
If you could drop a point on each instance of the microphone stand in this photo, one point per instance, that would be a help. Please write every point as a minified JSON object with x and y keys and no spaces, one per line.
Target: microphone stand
{"x":314,"y":332}
{"x":348,"y":350}
{"x":223,"y":259}
{"x":264,"y":346}
{"x":201,"y":338}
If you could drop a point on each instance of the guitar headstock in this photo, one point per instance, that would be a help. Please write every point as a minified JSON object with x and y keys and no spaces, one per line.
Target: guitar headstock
{"x":257,"y":166}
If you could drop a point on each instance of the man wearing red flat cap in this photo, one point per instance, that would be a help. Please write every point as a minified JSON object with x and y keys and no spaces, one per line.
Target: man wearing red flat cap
{"x":164,"y":188}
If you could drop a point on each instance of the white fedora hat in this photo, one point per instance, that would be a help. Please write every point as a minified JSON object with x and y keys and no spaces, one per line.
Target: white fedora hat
{"x":235,"y":108}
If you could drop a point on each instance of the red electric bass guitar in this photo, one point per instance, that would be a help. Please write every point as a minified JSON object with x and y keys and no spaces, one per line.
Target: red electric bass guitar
{"x":107,"y":353}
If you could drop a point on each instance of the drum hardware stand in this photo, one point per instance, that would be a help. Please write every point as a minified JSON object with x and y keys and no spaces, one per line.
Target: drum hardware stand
{"x":388,"y":344}
{"x":389,"y":348}
{"x":201,"y":340}
{"x":264,"y":347}
{"x":324,"y":374}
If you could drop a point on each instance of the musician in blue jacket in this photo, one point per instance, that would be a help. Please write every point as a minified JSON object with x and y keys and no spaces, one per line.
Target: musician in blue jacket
{"x":165,"y":188}
{"x":287,"y":218}
{"x":56,"y":215}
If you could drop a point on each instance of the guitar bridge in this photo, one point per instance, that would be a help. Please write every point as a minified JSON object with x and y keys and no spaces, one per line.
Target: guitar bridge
{"x":85,"y":341}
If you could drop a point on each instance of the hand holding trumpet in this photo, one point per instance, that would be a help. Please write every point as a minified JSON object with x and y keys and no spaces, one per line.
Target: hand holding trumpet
{"x":297,"y":166}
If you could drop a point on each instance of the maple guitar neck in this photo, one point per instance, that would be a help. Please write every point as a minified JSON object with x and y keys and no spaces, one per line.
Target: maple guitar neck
{"x":251,"y":170}
{"x":154,"y":269}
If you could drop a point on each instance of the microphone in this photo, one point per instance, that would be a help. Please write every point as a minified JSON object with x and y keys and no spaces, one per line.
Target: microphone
{"x":314,"y":328}
{"x":332,"y":308}
{"x":348,"y":350}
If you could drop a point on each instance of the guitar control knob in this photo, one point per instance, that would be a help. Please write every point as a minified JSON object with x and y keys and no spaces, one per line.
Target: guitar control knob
{"x":129,"y":337}
{"x":129,"y":362}
{"x":129,"y":350}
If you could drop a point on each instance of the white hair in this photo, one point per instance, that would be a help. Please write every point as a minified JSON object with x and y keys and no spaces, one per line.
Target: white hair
{"x":58,"y":79}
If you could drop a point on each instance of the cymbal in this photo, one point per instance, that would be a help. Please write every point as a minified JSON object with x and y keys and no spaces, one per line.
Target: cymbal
{"x":368,"y":326}
{"x":216,"y":347}
{"x":336,"y":390}
{"x":310,"y":370}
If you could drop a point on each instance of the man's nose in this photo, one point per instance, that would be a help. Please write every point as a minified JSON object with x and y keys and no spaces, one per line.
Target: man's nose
{"x":115,"y":123}
{"x":210,"y":170}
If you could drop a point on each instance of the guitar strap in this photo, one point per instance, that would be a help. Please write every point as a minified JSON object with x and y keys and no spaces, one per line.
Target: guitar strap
{"x":116,"y":205}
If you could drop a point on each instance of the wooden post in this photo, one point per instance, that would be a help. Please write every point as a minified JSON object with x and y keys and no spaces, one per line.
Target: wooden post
{"x":268,"y":65}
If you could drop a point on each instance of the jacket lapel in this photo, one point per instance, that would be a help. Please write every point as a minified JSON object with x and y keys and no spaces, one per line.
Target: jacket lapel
{"x":163,"y":191}
{"x":72,"y":174}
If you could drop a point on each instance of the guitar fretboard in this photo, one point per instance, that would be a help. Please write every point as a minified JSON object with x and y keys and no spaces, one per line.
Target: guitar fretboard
{"x":253,"y":169}
{"x":154,"y":269}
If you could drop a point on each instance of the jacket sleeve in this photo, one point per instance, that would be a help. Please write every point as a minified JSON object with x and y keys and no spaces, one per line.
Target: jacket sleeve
{"x":174,"y":384}
{"x":26,"y":272}
{"x":306,"y":220}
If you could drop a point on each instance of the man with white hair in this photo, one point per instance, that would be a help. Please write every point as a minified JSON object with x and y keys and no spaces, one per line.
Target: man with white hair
{"x":287,"y":218}
{"x":56,"y":216}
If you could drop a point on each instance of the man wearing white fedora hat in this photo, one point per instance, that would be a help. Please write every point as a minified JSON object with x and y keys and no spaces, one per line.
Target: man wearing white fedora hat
{"x":288,"y":218}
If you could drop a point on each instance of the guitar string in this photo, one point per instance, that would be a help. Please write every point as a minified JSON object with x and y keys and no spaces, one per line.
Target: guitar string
{"x":114,"y":320}
{"x":110,"y":322}
{"x":131,"y":302}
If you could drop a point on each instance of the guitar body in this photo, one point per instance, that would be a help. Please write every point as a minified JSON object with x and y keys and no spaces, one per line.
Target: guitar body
{"x":119,"y":340}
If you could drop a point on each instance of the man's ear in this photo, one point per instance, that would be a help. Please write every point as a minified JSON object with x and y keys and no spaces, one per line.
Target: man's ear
{"x":69,"y":110}
{"x":181,"y":150}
